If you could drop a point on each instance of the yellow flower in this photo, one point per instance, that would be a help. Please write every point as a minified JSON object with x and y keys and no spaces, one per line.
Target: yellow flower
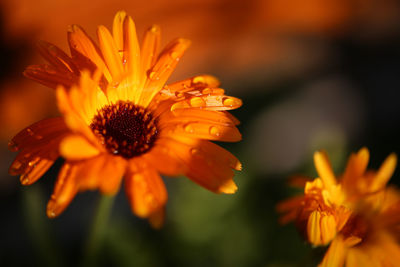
{"x":328,"y":202}
{"x":371,"y":235}
{"x":119,"y":119}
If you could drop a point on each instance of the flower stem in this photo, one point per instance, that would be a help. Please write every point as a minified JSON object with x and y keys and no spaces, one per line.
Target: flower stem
{"x":97,"y":230}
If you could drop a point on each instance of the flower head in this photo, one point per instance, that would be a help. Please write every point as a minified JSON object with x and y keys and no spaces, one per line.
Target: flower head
{"x":119,"y":119}
{"x":371,"y":236}
{"x":329,"y":203}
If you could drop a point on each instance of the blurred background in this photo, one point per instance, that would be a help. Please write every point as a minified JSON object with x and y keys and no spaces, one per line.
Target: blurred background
{"x":315,"y":74}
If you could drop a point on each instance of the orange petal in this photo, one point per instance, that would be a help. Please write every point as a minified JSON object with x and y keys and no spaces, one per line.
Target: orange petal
{"x":193,"y":83}
{"x":91,"y":173}
{"x":203,"y":168}
{"x":131,"y":49}
{"x":204,"y":130}
{"x":81,"y":44}
{"x":210,"y":101}
{"x":195,"y":114}
{"x":110,"y":53}
{"x":56,"y":57}
{"x":335,"y":255}
{"x":50,"y":76}
{"x":163,"y":68}
{"x":112,"y":174}
{"x":38,"y":132}
{"x":146,"y":191}
{"x":76,"y":147}
{"x":384,"y":173}
{"x":118,"y":30}
{"x":64,"y":191}
{"x":324,"y":168}
{"x":150,"y":49}
{"x":164,"y":160}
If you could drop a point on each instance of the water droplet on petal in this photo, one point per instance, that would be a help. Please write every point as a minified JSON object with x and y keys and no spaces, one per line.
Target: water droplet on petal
{"x":153,"y":76}
{"x":24,"y":180}
{"x":194,"y":151}
{"x":228,"y":102}
{"x":174,"y":55}
{"x":51,"y":214}
{"x":12,"y":146}
{"x":189,"y":128}
{"x":30,"y":132}
{"x":179,"y":94}
{"x":215,"y":131}
{"x":198,"y":79}
{"x":206,"y":91}
{"x":16,"y":165}
{"x":197,"y":102}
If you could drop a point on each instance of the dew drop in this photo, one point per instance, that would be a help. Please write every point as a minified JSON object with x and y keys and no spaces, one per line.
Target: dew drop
{"x":152,"y":76}
{"x":30,"y":132}
{"x":206,"y":91}
{"x":16,"y":165}
{"x":228,"y":102}
{"x":197,"y":102}
{"x":174,"y":55}
{"x":24,"y":180}
{"x":189,"y":128}
{"x":12,"y":146}
{"x":214,"y":131}
{"x":198,"y":79}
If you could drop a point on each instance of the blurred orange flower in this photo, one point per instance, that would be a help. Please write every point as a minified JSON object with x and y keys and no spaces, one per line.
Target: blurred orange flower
{"x":120,"y":119}
{"x":332,"y":207}
{"x":371,"y":235}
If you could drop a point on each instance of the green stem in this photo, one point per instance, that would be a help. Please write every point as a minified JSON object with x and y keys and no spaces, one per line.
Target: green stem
{"x":97,"y":230}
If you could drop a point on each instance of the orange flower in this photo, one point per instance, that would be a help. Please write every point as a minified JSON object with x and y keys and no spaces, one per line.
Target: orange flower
{"x":328,"y":203}
{"x":371,"y":235}
{"x":119,"y":119}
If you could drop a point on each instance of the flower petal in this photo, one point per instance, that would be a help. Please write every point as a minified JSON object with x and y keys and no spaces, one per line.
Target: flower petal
{"x":76,"y":147}
{"x":324,"y":168}
{"x":384,"y":173}
{"x":83,"y":48}
{"x":112,"y":173}
{"x":50,"y":76}
{"x":145,"y":190}
{"x":64,"y":191}
{"x":57,"y":58}
{"x":163,"y":68}
{"x":202,"y":167}
{"x":110,"y":53}
{"x":149,"y":53}
{"x":335,"y":255}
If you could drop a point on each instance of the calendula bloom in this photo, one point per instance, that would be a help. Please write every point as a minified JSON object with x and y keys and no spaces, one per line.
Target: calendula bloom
{"x":371,"y":236}
{"x":328,"y":202}
{"x":119,"y":119}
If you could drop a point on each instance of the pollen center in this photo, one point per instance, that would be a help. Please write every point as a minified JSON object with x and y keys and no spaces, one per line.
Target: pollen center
{"x":125,"y":129}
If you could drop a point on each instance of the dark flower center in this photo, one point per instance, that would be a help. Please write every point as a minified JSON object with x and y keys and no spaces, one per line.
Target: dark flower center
{"x":125,"y":129}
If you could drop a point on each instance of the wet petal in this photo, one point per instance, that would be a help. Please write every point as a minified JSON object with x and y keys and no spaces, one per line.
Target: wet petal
{"x":82,"y":45}
{"x":50,"y":76}
{"x":112,"y":174}
{"x":64,"y":191}
{"x":110,"y":53}
{"x":76,"y":147}
{"x":162,"y":69}
{"x":57,"y":58}
{"x":146,"y":191}
{"x":203,"y":168}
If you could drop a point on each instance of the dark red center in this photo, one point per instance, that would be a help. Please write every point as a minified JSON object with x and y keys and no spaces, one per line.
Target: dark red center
{"x":125,"y":129}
